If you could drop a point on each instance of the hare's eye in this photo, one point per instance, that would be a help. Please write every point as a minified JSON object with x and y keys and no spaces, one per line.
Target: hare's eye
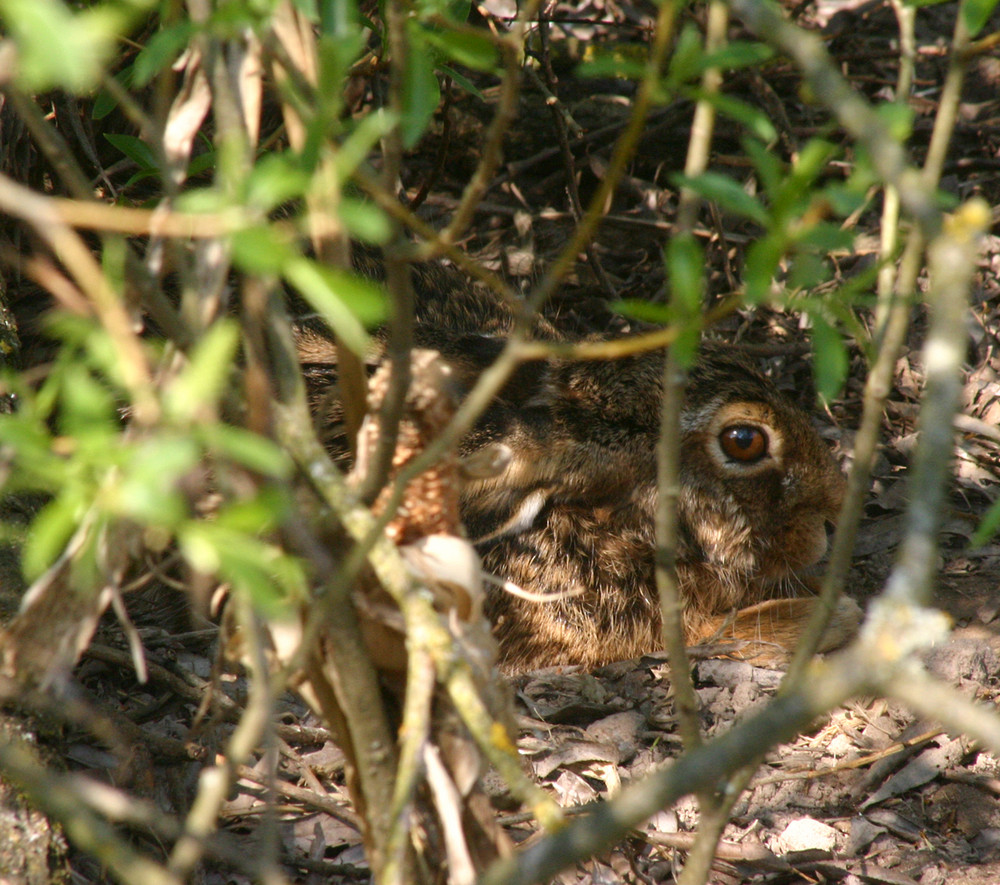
{"x":743,"y":442}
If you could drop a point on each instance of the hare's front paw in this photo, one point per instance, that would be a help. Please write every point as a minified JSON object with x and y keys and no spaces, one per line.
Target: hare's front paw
{"x":766,"y":634}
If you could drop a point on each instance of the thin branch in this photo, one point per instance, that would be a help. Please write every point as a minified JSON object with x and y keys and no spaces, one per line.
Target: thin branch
{"x":852,"y":111}
{"x":510,"y":46}
{"x":58,"y":797}
{"x":37,"y":210}
{"x":215,"y":782}
{"x":433,"y":245}
{"x":51,"y":142}
{"x":159,"y":222}
{"x":695,"y":771}
{"x":952,"y":262}
{"x":413,"y":733}
{"x":562,"y":120}
{"x":293,"y":43}
{"x":397,"y":275}
{"x":624,"y":148}
{"x":889,"y":336}
{"x":906,"y":16}
{"x":940,"y":702}
{"x":668,"y":447}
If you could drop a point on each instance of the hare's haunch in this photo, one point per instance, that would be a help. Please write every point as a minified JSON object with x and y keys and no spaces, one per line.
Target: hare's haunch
{"x":571,"y":515}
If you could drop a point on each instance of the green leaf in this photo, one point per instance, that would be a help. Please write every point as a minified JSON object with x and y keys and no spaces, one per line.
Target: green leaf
{"x":113,"y":258}
{"x":246,"y":448}
{"x":461,"y":81}
{"x":729,"y":194}
{"x":50,"y":531}
{"x":471,"y":50}
{"x":770,"y":169}
{"x":99,"y":350}
{"x":135,"y":149}
{"x":149,"y":488}
{"x":988,"y":526}
{"x":344,"y":300}
{"x":202,"y":199}
{"x":813,"y":159}
{"x":685,"y":261}
{"x":268,"y":576}
{"x":830,"y":363}
{"x":258,"y":515}
{"x":808,"y":269}
{"x":336,"y":53}
{"x":646,"y":311}
{"x":451,"y":10}
{"x":898,"y":117}
{"x":201,"y":383}
{"x":338,"y":17}
{"x":39,"y":467}
{"x":737,"y":54}
{"x":753,"y":118}
{"x":55,"y":47}
{"x":845,"y":199}
{"x":356,"y":147}
{"x":201,"y":163}
{"x":161,"y":50}
{"x":685,"y":346}
{"x":685,"y":63}
{"x":276,"y":179}
{"x":421,"y":90}
{"x":87,"y":406}
{"x":105,"y":102}
{"x":762,"y":262}
{"x":826,"y":237}
{"x":611,"y":63}
{"x":365,"y":221}
{"x":976,"y":13}
{"x":261,"y":250}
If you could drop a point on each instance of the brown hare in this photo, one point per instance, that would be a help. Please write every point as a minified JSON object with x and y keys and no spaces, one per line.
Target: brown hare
{"x":571,"y":515}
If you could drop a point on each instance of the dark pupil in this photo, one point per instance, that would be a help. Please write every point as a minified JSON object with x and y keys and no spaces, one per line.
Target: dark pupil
{"x":744,"y":437}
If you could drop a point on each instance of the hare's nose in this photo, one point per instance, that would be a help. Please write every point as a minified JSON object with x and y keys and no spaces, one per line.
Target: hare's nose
{"x":831,"y":530}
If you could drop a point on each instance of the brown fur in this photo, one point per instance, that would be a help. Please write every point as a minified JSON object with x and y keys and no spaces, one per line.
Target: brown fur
{"x":745,"y":529}
{"x":572,"y":513}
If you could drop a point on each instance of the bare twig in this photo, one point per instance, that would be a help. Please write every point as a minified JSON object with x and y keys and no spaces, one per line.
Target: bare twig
{"x":562,"y":121}
{"x":662,"y":37}
{"x":88,"y":830}
{"x":215,"y":782}
{"x":852,"y":111}
{"x":36,"y":210}
{"x":696,"y":771}
{"x":51,"y":142}
{"x":397,"y":276}
{"x":413,"y":734}
{"x":295,"y":41}
{"x":510,"y":51}
{"x":889,"y":230}
{"x":668,"y":450}
{"x":953,"y":257}
{"x":889,"y":337}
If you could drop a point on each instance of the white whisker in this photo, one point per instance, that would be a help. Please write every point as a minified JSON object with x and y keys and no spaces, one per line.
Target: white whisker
{"x":514,"y":590}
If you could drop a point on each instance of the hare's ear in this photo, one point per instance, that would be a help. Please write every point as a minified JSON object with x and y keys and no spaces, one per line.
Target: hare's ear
{"x":469,"y":355}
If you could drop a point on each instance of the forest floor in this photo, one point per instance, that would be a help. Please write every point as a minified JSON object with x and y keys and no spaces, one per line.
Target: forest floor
{"x":870,"y":794}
